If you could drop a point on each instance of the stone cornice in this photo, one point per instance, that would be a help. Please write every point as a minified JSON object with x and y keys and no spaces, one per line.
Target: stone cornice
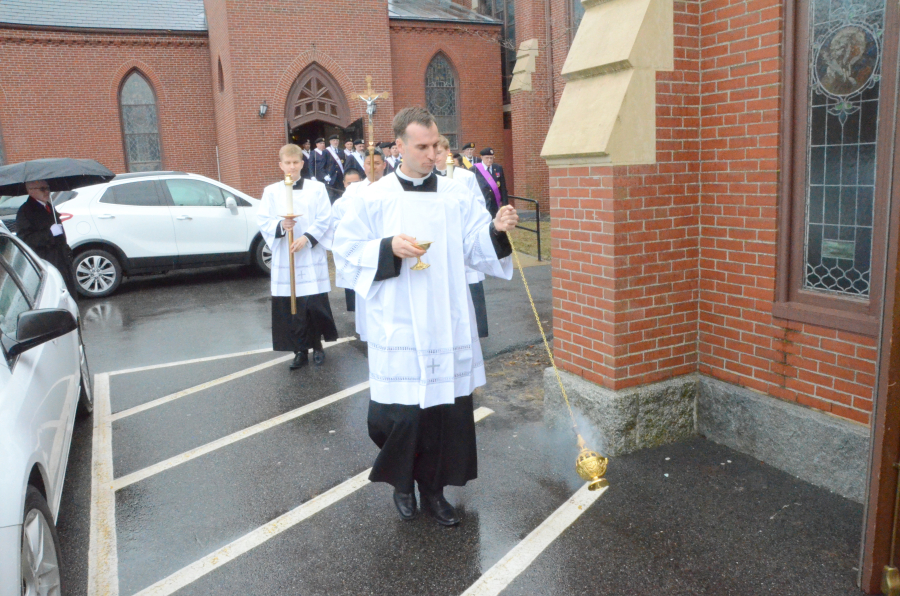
{"x":16,"y":35}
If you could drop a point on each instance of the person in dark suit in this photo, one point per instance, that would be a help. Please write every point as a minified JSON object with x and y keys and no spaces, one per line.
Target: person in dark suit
{"x":334,"y":167}
{"x":37,"y":224}
{"x":491,"y":181}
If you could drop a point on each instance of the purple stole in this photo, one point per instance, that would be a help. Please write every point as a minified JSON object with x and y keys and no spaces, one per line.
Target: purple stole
{"x":490,"y":180}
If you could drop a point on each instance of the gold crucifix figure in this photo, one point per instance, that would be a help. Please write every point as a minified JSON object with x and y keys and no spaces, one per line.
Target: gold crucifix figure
{"x":370,"y":97}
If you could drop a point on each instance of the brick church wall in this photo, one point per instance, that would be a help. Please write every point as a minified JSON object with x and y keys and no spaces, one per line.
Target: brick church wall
{"x":269,"y":43}
{"x":740,"y":341}
{"x":413,"y":45}
{"x":666,"y":269}
{"x":60,"y":95}
{"x":626,"y":244}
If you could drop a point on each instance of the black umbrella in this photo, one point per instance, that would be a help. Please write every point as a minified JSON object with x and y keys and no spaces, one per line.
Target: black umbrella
{"x":61,"y":173}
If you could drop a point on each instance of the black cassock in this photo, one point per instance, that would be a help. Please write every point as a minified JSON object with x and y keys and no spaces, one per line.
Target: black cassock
{"x":33,"y":222}
{"x":432,"y":447}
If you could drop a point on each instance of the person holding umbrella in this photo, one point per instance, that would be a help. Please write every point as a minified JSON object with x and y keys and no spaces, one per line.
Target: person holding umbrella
{"x":38,"y":225}
{"x":37,"y":221}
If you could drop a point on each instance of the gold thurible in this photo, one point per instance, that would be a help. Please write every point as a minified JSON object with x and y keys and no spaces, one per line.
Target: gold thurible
{"x":591,"y":466}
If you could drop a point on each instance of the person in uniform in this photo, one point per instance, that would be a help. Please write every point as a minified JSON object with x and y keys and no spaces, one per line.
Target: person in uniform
{"x":38,"y":225}
{"x":348,"y":150}
{"x":424,"y":356}
{"x":334,"y":168}
{"x":305,"y":172}
{"x":318,"y":161}
{"x":304,"y":331}
{"x":357,"y":159}
{"x":468,"y":160}
{"x":491,"y":181}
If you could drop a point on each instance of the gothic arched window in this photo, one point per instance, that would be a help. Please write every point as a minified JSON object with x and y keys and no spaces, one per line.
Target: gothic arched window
{"x":140,"y":124}
{"x":442,"y":97}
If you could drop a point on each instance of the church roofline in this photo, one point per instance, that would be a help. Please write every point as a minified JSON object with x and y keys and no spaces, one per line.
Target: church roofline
{"x":436,"y":11}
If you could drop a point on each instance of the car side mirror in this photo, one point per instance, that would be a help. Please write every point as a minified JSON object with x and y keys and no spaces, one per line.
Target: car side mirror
{"x":36,"y":327}
{"x":231,"y":204}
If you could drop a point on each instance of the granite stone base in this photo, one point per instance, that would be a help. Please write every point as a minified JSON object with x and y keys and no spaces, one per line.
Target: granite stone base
{"x":822,"y":449}
{"x":619,"y":422}
{"x":816,"y":447}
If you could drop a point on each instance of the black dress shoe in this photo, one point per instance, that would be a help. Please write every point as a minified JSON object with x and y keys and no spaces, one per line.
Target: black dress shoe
{"x":300,"y":359}
{"x":318,"y":356}
{"x":435,"y":505}
{"x":406,"y":505}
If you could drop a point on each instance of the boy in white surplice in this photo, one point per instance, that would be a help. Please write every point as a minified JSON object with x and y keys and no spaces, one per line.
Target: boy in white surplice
{"x":312,"y":230}
{"x":424,"y":356}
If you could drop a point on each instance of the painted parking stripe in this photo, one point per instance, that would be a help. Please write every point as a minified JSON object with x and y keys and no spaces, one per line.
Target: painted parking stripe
{"x":103,"y":558}
{"x":126,"y":371}
{"x":246,"y":543}
{"x":187,"y":456}
{"x":498,"y":577}
{"x":241,"y":373}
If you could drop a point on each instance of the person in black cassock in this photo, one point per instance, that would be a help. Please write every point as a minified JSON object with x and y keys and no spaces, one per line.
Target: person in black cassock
{"x":334,"y":168}
{"x":491,"y":181}
{"x":423,"y":350}
{"x":304,"y":331}
{"x":37,"y":224}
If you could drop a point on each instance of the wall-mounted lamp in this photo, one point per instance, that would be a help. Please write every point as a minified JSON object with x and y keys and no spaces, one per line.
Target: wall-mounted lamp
{"x":263,"y":108}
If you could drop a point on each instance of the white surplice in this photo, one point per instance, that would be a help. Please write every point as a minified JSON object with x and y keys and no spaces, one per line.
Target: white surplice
{"x":423,"y":341}
{"x":311,"y":262}
{"x":468,"y":179}
{"x":337,"y":213}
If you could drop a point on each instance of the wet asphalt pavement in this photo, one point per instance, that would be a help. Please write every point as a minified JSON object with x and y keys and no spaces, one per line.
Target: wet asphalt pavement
{"x":689,"y":518}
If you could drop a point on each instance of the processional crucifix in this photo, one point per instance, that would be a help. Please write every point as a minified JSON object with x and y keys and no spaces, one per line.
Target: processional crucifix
{"x":370,"y":97}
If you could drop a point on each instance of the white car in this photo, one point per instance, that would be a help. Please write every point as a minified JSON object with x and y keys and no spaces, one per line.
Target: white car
{"x":44,"y":381}
{"x":153,"y":222}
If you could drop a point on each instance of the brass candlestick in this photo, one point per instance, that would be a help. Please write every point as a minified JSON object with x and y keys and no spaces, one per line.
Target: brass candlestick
{"x":289,"y":197}
{"x":420,"y":266}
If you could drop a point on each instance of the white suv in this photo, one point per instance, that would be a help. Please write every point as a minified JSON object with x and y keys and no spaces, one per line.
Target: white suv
{"x":153,"y":222}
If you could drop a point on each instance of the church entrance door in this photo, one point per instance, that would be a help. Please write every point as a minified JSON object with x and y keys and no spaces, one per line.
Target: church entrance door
{"x":316,"y":107}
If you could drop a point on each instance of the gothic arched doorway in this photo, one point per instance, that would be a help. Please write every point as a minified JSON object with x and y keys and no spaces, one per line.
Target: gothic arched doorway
{"x":316,"y":107}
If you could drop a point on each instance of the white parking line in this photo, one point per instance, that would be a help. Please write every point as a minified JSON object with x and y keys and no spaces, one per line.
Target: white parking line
{"x":103,"y":557}
{"x":244,"y":544}
{"x":126,"y":371}
{"x":187,"y":456}
{"x":523,"y":554}
{"x":241,"y":373}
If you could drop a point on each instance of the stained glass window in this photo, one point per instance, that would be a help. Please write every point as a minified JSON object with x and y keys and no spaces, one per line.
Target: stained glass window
{"x":140,"y":125}
{"x":844,"y":87}
{"x":441,"y":97}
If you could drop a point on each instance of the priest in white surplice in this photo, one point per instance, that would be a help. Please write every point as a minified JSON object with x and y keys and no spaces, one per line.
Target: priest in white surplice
{"x":312,"y":233}
{"x":474,"y":277}
{"x":374,"y":164}
{"x":424,"y":356}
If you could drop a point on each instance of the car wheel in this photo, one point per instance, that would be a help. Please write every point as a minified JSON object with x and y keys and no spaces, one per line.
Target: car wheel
{"x":40,"y":547}
{"x":86,"y":396}
{"x":97,"y":273}
{"x":263,"y":257}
